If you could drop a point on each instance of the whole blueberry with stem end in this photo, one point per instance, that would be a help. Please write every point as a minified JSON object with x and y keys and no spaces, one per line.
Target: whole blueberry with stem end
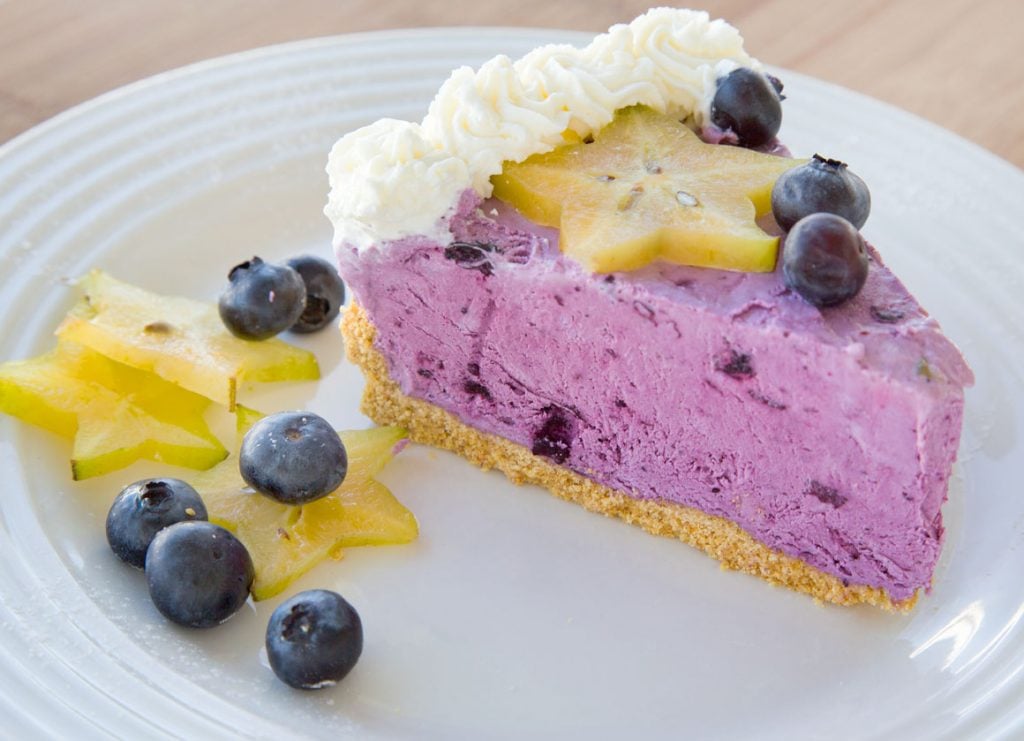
{"x":293,"y":457}
{"x":325,"y":293}
{"x":748,"y":104}
{"x":820,"y":185}
{"x":144,"y":508}
{"x":261,"y":299}
{"x":199,"y":574}
{"x":314,"y":639}
{"x":824,"y":259}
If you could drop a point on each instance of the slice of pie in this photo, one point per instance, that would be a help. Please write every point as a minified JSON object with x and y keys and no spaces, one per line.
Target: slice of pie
{"x":556,"y":277}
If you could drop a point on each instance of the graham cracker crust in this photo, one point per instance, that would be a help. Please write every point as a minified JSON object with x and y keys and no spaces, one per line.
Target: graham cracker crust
{"x":384,"y":402}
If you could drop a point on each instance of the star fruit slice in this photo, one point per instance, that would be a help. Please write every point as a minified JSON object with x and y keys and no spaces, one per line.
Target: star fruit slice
{"x":286,"y":541}
{"x":114,"y":413}
{"x":648,"y":188}
{"x":179,"y":339}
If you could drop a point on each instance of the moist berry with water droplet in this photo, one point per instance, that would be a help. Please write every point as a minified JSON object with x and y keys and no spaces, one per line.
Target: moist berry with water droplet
{"x":199,"y":574}
{"x":820,"y":186}
{"x":261,"y":300}
{"x":747,"y":104}
{"x":325,"y":293}
{"x":144,"y":508}
{"x":293,"y":457}
{"x":314,"y":639}
{"x":824,"y":259}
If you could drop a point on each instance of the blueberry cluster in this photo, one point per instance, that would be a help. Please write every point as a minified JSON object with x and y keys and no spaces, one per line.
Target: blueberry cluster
{"x":262,"y":299}
{"x":199,"y":574}
{"x":821,"y":204}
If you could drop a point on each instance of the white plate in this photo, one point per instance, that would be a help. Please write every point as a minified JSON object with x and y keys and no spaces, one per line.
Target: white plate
{"x":515,"y":614}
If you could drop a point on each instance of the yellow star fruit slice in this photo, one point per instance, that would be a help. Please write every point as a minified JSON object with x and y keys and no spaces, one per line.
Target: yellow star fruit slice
{"x":114,"y":413}
{"x":286,"y":541}
{"x":179,"y":339}
{"x":647,"y":188}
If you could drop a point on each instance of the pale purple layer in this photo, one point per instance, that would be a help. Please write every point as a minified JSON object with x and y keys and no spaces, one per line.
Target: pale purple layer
{"x":826,"y":435}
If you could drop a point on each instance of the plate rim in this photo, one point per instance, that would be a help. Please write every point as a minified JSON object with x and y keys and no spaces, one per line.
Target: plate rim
{"x":41,"y":130}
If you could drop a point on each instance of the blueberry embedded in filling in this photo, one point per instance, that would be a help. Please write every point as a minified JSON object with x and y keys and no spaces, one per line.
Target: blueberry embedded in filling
{"x":736,"y":365}
{"x":554,"y":438}
{"x":825,"y":494}
{"x":475,"y":388}
{"x":472,"y":256}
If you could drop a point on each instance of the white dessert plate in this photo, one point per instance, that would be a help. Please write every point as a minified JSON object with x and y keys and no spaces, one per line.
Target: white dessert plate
{"x":515,"y":614}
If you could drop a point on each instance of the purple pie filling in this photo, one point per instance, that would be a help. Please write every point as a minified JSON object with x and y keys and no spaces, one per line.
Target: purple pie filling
{"x":827,"y":435}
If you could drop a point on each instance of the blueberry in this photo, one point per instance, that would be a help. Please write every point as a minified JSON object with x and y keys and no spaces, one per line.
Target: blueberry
{"x":475,"y":388}
{"x":314,"y":639}
{"x":472,"y":256}
{"x":261,"y":300}
{"x":554,"y":438}
{"x":824,"y":259}
{"x":293,"y":457}
{"x":325,"y":293}
{"x":747,"y":104}
{"x":144,"y":508}
{"x":736,"y":364}
{"x":199,"y":574}
{"x":825,"y":494}
{"x":821,"y":185}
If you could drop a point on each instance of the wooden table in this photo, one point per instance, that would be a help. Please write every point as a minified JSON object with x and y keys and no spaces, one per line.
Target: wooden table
{"x":955,"y":62}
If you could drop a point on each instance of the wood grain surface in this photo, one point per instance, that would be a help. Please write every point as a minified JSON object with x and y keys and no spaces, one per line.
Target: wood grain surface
{"x":955,"y":62}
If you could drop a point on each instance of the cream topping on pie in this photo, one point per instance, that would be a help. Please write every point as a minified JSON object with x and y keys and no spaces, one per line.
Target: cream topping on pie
{"x":394,"y":178}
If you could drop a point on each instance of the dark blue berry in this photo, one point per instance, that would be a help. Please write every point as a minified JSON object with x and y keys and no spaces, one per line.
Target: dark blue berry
{"x":736,"y":364}
{"x":293,"y":457}
{"x":824,"y":259}
{"x":199,"y":574}
{"x":747,"y":104}
{"x":475,"y":388}
{"x":821,"y":185}
{"x":261,"y":300}
{"x":554,"y":438}
{"x":144,"y":508}
{"x":472,"y":256}
{"x":825,"y":494}
{"x":314,"y":639}
{"x":325,"y":293}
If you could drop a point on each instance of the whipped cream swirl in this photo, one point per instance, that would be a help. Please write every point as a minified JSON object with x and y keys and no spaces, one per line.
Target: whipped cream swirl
{"x":393,"y":178}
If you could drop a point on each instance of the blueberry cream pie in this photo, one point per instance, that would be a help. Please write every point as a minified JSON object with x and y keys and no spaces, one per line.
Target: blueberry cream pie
{"x":599,"y":271}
